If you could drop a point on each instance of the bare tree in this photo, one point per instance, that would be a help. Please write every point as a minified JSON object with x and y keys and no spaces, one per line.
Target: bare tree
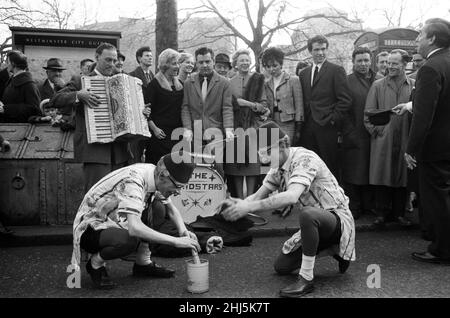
{"x":12,"y":12}
{"x":396,"y":15}
{"x":53,"y":13}
{"x":267,"y":19}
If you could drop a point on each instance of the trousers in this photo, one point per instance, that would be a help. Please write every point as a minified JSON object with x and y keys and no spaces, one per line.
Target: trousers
{"x":321,"y":230}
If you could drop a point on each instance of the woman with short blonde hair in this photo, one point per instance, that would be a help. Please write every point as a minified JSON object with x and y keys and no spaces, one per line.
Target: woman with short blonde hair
{"x":187,"y":64}
{"x":165,"y":94}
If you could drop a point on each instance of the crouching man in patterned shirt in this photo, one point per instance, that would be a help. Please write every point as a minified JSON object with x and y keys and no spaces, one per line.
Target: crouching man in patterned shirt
{"x":109,"y":221}
{"x":326,"y":222}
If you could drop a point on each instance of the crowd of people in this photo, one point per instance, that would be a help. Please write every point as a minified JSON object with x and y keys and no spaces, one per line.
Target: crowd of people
{"x":346,"y":145}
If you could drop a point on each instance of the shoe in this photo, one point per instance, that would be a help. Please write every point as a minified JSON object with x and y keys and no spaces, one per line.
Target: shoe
{"x":129,"y":258}
{"x":343,"y":264}
{"x":152,"y":270}
{"x":99,"y":277}
{"x":426,"y":236}
{"x":427,"y":257}
{"x":298,"y":289}
{"x":6,"y":232}
{"x":404,"y":221}
{"x":379,"y":223}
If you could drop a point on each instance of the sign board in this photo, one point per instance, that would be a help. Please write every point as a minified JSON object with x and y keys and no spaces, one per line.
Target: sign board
{"x":61,"y":41}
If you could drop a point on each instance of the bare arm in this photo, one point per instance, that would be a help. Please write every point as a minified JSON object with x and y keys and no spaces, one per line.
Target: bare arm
{"x":176,"y":217}
{"x":281,"y":200}
{"x":262,"y":193}
{"x":138,"y":229}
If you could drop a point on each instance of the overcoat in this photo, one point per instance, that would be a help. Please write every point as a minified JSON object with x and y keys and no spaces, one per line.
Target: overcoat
{"x":21,"y":99}
{"x":388,"y":143}
{"x":356,"y":138}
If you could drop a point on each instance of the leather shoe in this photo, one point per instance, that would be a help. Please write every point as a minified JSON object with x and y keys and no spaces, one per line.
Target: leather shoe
{"x":298,"y":289}
{"x":427,"y":257}
{"x":379,"y":223}
{"x":343,"y":264}
{"x":404,"y":221}
{"x":99,"y":277}
{"x":152,"y":270}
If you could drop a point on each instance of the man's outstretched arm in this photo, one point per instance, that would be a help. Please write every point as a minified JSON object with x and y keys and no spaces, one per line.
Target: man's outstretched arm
{"x":278,"y":201}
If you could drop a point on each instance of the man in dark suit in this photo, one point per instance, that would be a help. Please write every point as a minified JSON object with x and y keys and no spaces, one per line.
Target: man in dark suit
{"x":144,"y":58}
{"x":429,"y":140}
{"x":4,"y":78}
{"x":98,"y":159}
{"x":54,"y":81}
{"x":327,"y":100}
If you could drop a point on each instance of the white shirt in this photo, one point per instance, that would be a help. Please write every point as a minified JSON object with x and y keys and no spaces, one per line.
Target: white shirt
{"x":276,"y":83}
{"x":98,"y":73}
{"x":432,"y":52}
{"x":51,"y":85}
{"x":312,"y":71}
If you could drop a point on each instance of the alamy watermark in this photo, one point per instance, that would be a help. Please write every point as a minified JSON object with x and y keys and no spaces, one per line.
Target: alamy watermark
{"x":213,"y":146}
{"x":374,"y":279}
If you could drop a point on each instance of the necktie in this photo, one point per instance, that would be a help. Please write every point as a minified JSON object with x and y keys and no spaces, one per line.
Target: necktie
{"x":316,"y":72}
{"x":147,"y":75}
{"x":204,"y":89}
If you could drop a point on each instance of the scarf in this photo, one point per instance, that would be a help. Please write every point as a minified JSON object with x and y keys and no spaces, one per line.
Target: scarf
{"x":164,"y":83}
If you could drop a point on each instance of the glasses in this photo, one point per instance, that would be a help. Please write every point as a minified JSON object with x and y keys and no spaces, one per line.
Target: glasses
{"x":177,"y":186}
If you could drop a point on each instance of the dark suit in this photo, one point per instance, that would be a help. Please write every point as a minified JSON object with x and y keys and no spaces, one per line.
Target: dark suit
{"x":139,"y":73}
{"x":138,"y":147}
{"x":4,"y":78}
{"x":326,"y":104}
{"x":46,"y":90}
{"x":98,"y":159}
{"x":429,"y":142}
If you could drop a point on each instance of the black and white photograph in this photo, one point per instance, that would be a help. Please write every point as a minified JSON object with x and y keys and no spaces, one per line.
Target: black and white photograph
{"x":225,"y":155}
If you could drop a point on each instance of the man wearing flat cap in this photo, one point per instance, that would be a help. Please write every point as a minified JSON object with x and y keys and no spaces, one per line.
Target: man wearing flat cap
{"x":111,"y":222}
{"x":222,"y":64}
{"x":54,"y":81}
{"x":301,"y":178}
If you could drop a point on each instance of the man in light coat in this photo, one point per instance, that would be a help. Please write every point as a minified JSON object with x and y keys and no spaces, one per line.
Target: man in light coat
{"x":388,"y":172}
{"x":207,"y":104}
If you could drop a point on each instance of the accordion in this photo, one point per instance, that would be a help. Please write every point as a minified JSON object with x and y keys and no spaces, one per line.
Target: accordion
{"x":119,"y":114}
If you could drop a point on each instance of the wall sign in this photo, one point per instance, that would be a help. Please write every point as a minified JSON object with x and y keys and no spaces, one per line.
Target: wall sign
{"x":61,"y":41}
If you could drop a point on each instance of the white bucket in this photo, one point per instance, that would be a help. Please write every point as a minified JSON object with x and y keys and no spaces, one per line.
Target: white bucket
{"x":198,"y":276}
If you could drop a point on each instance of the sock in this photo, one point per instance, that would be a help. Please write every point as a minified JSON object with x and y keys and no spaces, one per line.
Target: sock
{"x":97,"y":261}
{"x":307,"y":269}
{"x":143,"y":256}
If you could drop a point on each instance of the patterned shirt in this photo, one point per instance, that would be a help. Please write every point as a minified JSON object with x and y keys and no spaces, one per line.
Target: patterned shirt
{"x":108,"y":203}
{"x":321,"y":191}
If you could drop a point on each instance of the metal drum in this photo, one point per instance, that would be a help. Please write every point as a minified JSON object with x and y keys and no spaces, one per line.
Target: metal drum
{"x":201,"y":195}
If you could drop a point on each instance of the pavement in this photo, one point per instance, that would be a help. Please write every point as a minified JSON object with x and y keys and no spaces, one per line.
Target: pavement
{"x":383,"y":269}
{"x":275,"y":226}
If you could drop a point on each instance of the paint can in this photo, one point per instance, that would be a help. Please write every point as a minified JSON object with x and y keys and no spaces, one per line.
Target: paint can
{"x":198,"y":276}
